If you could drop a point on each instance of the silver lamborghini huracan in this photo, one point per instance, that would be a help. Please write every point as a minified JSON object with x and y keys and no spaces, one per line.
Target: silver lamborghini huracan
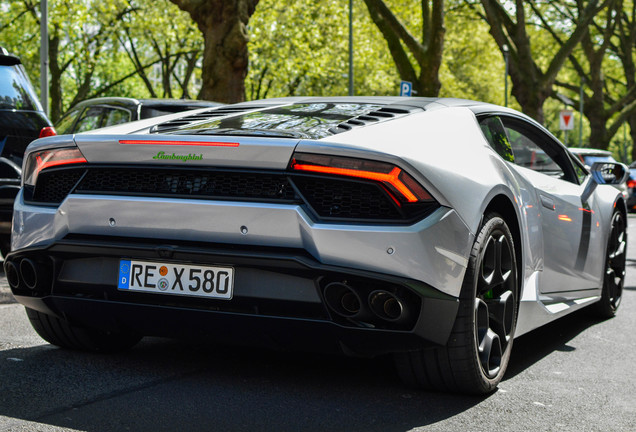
{"x":433,"y":230}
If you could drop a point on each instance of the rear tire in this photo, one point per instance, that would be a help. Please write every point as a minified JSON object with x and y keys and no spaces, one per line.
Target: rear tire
{"x":615,"y":261}
{"x":5,"y":244}
{"x":61,"y":333}
{"x":478,"y":350}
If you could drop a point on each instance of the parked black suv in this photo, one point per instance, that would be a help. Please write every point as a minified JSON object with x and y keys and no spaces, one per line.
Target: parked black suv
{"x":21,"y":121}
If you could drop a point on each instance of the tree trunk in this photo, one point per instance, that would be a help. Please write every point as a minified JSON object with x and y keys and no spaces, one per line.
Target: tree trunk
{"x":632,"y":134}
{"x":531,"y":85}
{"x":595,"y":110}
{"x":55,"y":83}
{"x":223,"y":24}
{"x":427,"y":53}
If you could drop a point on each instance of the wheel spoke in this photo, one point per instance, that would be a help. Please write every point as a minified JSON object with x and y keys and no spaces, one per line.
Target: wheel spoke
{"x":501,"y":314}
{"x":496,"y":267}
{"x":488,"y":265}
{"x":490,"y":351}
{"x":618,"y":250}
{"x":493,"y":322}
{"x":614,"y":284}
{"x":482,"y":319}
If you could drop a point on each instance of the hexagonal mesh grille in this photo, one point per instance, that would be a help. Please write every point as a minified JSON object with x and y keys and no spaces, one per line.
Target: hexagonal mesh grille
{"x":186,"y":183}
{"x":53,"y":186}
{"x":334,"y":199}
{"x":347,"y":199}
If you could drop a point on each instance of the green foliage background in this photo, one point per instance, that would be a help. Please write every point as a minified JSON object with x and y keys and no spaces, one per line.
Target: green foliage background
{"x":296,"y":47}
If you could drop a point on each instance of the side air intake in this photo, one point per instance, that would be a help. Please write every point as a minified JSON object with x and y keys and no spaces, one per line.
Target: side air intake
{"x":382,"y":114}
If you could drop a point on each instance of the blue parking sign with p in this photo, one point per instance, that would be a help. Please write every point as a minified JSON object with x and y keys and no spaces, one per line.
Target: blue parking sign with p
{"x":406,"y":88}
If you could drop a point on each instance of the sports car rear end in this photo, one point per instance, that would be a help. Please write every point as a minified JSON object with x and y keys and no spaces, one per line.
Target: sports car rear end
{"x":252,"y":234}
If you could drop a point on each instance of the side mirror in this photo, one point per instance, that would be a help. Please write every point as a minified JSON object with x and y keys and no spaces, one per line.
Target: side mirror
{"x":611,"y":173}
{"x":605,"y":173}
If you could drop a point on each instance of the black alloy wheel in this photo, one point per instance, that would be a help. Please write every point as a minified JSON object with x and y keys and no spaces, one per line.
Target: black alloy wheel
{"x":495,"y":301}
{"x":477,"y":354}
{"x":615,"y":262}
{"x":5,"y":244}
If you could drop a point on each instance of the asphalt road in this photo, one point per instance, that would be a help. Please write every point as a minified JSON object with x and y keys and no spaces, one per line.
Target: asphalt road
{"x":576,"y":374}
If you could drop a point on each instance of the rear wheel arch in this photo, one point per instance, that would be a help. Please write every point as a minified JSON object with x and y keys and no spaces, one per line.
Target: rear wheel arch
{"x":476,"y":355}
{"x":503,"y":206}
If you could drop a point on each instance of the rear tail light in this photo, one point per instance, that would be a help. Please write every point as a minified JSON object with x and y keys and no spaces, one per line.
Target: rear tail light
{"x":39,"y":160}
{"x":631,"y":184}
{"x":402,"y":187}
{"x":47,"y":132}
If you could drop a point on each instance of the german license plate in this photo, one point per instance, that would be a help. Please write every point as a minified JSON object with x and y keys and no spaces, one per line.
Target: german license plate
{"x":178,"y":279}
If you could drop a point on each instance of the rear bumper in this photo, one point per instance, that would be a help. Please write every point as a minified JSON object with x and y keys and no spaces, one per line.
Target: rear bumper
{"x":433,"y":251}
{"x":278,"y":297}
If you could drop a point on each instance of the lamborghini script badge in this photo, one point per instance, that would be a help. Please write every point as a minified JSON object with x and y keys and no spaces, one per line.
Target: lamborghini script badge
{"x":183,"y":157}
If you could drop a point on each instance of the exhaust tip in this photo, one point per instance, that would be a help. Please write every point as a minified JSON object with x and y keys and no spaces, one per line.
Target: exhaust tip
{"x":386,"y":306}
{"x":28,"y":272}
{"x":342,"y":299}
{"x":12,"y":273}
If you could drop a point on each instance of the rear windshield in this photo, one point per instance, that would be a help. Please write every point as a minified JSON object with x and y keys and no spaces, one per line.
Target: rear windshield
{"x":297,"y":120}
{"x":16,"y":91}
{"x":159,"y":110}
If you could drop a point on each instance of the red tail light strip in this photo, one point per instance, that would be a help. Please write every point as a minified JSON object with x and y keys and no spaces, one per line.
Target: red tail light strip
{"x":180,"y":143}
{"x":51,"y":163}
{"x":38,"y":161}
{"x":391,"y":178}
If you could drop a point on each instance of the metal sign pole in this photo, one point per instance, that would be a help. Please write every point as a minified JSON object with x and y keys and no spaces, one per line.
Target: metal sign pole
{"x":506,"y":71}
{"x":44,"y":56}
{"x":350,"y":47}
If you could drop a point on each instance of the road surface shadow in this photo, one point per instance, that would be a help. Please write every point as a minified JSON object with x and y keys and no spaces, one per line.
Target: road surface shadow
{"x":537,"y":344}
{"x":169,"y":385}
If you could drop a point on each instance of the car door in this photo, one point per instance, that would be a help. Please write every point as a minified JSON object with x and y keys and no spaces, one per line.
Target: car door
{"x":569,"y":225}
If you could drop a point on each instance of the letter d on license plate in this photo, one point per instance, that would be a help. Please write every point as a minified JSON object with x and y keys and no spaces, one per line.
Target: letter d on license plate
{"x":176,"y":279}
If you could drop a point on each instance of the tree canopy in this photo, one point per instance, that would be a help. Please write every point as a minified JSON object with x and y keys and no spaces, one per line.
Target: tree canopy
{"x":248,"y":49}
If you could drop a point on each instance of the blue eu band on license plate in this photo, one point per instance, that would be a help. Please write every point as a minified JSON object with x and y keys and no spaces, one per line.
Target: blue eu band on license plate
{"x":176,"y":279}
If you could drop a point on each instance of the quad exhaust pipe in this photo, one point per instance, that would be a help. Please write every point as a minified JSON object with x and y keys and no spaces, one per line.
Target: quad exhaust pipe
{"x":387,"y":306}
{"x":12,"y":273}
{"x":384,"y":305}
{"x":25,"y":273}
{"x":28,"y":273}
{"x":342,"y":299}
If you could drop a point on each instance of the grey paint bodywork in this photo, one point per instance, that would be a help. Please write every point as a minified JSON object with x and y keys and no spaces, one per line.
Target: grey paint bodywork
{"x":441,"y":147}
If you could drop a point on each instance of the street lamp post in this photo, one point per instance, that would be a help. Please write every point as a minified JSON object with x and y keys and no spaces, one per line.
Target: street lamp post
{"x":505,"y":53}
